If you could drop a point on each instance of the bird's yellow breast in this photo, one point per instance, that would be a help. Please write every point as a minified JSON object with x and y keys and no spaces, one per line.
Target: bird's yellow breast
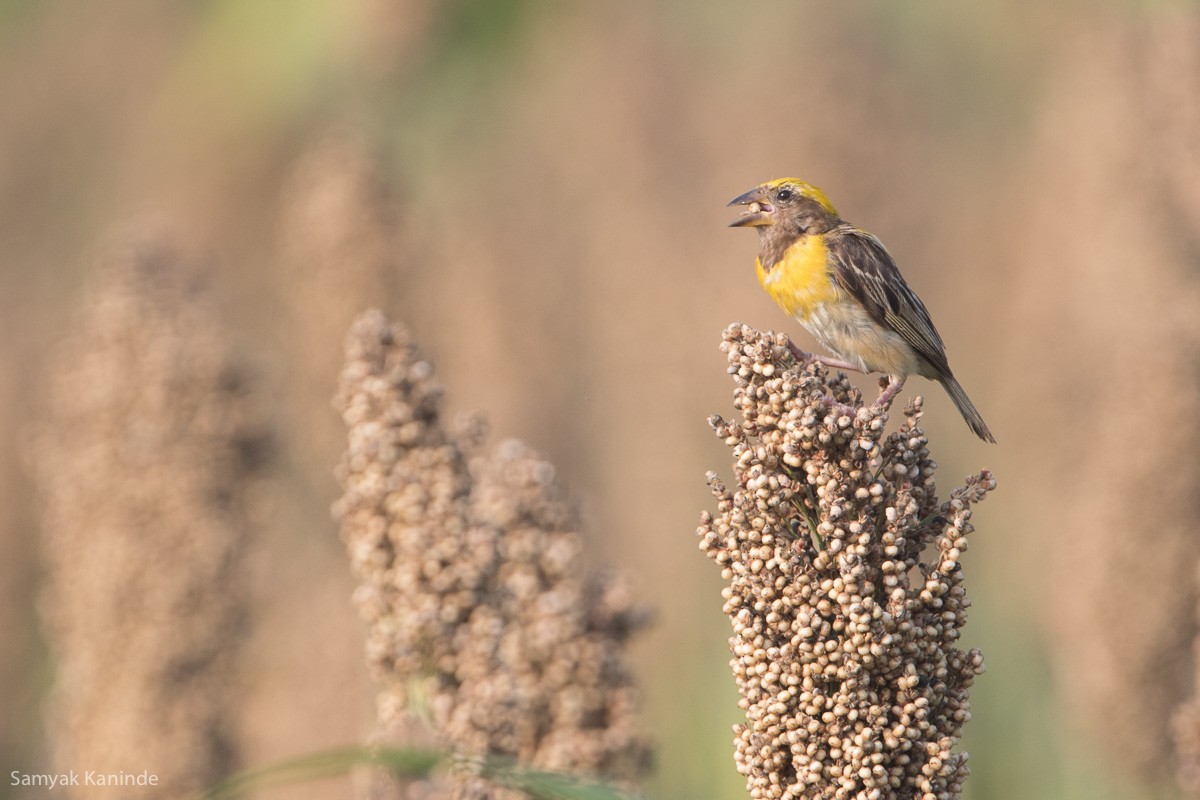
{"x":800,"y":281}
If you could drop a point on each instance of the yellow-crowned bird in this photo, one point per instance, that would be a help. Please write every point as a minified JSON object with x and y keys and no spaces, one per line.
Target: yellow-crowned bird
{"x":840,"y":283}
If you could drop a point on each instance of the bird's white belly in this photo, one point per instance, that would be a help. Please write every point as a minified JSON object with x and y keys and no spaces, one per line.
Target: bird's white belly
{"x":850,"y":333}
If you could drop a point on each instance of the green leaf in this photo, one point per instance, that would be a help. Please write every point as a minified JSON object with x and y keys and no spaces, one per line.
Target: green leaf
{"x":406,"y":763}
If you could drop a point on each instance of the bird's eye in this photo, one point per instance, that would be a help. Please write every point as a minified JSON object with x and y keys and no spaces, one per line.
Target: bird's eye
{"x":784,"y":194}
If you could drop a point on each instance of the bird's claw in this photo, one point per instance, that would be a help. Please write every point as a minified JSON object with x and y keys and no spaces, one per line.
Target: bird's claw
{"x":891,"y":387}
{"x":842,"y":409}
{"x":799,"y":354}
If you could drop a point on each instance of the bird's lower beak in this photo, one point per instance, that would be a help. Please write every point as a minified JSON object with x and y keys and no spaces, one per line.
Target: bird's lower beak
{"x":758,"y":211}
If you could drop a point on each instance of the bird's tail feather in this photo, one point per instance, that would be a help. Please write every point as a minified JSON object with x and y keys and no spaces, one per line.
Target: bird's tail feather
{"x":967,"y":408}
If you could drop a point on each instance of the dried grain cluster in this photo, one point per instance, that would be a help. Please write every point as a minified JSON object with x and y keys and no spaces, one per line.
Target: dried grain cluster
{"x":340,"y":248}
{"x":480,"y":620}
{"x":143,"y":464}
{"x":844,"y":643}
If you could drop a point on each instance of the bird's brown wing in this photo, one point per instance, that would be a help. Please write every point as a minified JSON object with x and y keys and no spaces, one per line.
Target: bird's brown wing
{"x":863,"y":267}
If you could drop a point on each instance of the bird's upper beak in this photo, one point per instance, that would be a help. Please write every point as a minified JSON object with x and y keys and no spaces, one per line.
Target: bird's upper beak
{"x":758,"y":211}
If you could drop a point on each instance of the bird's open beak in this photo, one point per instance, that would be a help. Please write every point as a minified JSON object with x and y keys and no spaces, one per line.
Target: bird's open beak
{"x":758,"y":211}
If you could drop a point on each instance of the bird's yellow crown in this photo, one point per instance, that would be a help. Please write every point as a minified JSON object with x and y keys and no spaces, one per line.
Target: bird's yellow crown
{"x":806,"y":190}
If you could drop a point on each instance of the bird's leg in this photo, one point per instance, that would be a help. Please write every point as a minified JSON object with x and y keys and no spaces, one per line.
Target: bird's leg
{"x":837,"y":363}
{"x":800,"y":355}
{"x":828,"y":361}
{"x":891,"y":387}
{"x":828,"y":400}
{"x":842,"y":409}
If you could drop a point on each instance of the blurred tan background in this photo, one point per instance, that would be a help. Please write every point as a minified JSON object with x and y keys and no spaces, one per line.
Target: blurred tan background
{"x":537,"y":189}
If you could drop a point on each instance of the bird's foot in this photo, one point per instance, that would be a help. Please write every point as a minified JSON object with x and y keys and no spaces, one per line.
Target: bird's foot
{"x":842,"y":409}
{"x":829,"y":361}
{"x":799,"y":354}
{"x":891,"y":386}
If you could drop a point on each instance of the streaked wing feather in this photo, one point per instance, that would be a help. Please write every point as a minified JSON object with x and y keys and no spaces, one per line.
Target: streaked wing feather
{"x":865,"y":269}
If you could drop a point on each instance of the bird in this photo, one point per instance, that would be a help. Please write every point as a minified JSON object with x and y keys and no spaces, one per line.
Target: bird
{"x":842,"y":285}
